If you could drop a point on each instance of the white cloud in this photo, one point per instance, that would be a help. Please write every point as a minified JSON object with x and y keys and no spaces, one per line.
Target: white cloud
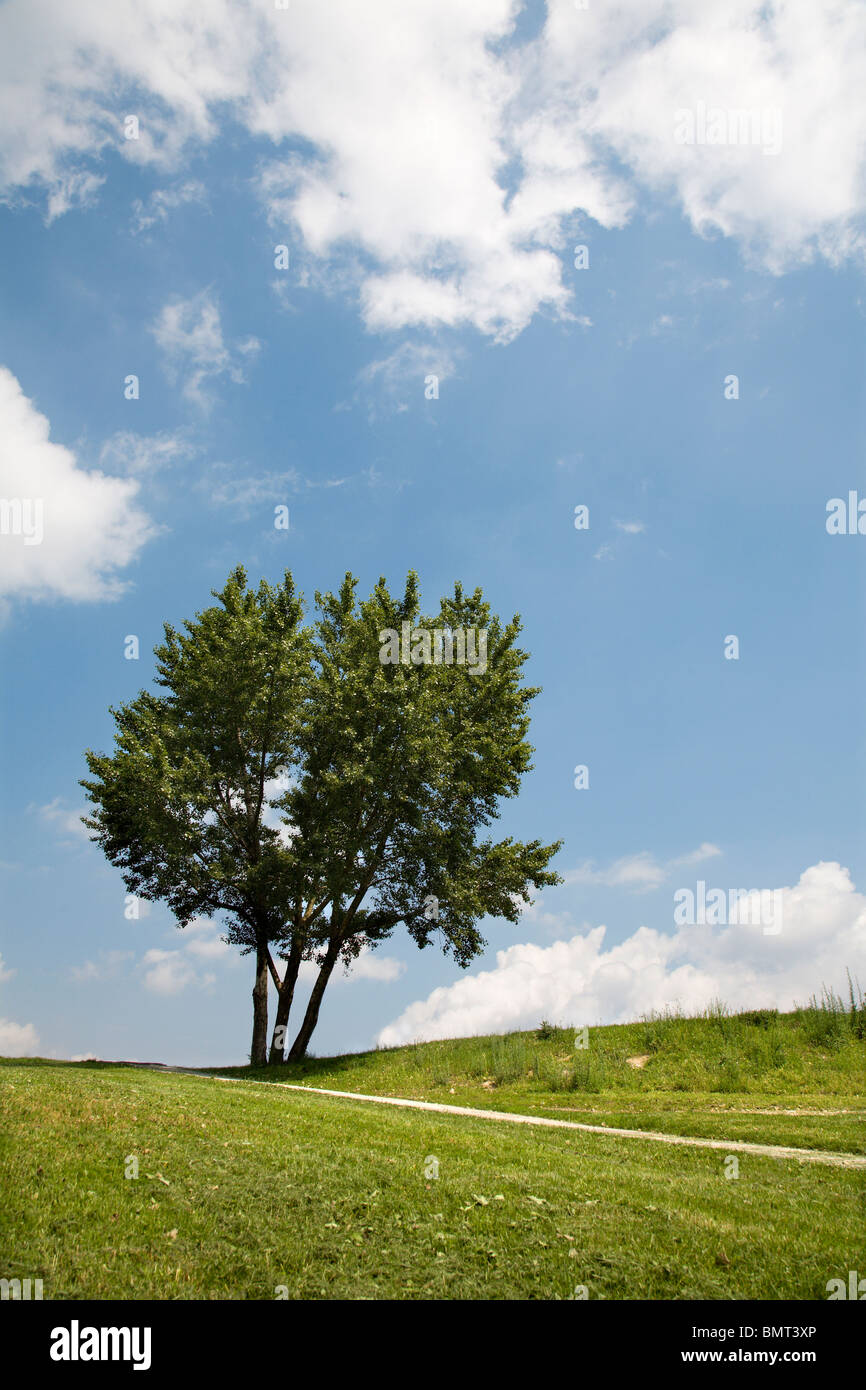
{"x":369,"y":965}
{"x":450,"y":166}
{"x":784,"y":207}
{"x":695,"y":856}
{"x":640,"y":872}
{"x":167,"y":972}
{"x":164,"y":200}
{"x":403,"y":376}
{"x":244,"y":492}
{"x":208,"y":949}
{"x":107,"y":967}
{"x":631,"y":528}
{"x":247,"y":493}
{"x":412,"y":135}
{"x":90,"y":970}
{"x":69,"y":531}
{"x":186,"y":966}
{"x":17,"y":1039}
{"x":128,"y":452}
{"x":637,"y":871}
{"x":5,"y":974}
{"x":69,"y":74}
{"x":199,"y":925}
{"x":580,"y":982}
{"x":189,"y":332}
{"x":67,"y":822}
{"x":172,"y":972}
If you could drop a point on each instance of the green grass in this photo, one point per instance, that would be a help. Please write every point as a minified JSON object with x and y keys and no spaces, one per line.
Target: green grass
{"x":243,"y":1189}
{"x":716,"y":1076}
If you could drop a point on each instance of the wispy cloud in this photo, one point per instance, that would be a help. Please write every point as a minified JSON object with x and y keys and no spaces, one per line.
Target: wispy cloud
{"x":128,"y":452}
{"x":189,"y":333}
{"x":412,"y":373}
{"x":227,"y":486}
{"x":106,"y":967}
{"x":639,"y":872}
{"x":67,"y":821}
{"x":155,"y":209}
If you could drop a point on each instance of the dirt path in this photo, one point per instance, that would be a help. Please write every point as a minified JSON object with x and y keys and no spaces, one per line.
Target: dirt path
{"x":837,"y":1160}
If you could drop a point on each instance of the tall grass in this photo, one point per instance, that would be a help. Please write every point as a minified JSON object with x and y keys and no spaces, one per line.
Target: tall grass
{"x":829,"y":1022}
{"x":819,"y":1046}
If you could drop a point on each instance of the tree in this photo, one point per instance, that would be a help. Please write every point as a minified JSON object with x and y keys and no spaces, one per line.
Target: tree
{"x":316,"y":795}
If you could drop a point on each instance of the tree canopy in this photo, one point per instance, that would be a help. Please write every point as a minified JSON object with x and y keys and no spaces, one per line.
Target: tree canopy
{"x":291,"y":779}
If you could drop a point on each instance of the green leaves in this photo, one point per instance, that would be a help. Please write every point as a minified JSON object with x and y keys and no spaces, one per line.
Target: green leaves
{"x":317,"y":796}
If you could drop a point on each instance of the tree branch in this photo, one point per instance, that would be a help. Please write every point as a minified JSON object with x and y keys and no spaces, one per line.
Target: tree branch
{"x":273,"y":969}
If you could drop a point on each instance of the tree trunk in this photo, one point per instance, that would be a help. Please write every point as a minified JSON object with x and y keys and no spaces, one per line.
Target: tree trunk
{"x":259,"y":1047}
{"x":284,"y":1003}
{"x":311,"y":1017}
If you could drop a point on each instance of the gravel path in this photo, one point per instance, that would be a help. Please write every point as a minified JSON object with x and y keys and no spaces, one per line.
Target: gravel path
{"x":837,"y":1160}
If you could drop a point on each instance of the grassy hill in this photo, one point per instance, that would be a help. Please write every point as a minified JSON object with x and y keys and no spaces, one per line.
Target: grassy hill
{"x":258,"y":1192}
{"x":796,"y":1078}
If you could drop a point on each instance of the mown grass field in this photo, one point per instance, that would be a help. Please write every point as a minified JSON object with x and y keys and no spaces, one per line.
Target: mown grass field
{"x":258,"y":1192}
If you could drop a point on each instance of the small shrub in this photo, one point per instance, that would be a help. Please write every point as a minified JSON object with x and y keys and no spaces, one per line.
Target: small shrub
{"x":760,"y":1018}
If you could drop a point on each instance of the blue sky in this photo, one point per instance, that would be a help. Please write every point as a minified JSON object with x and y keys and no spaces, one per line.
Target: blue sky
{"x":432,"y":230}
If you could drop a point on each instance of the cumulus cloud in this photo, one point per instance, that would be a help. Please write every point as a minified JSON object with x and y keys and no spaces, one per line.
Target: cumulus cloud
{"x":582,"y":982}
{"x":189,"y":332}
{"x":171,"y":972}
{"x":413,"y":137}
{"x":17,"y":1039}
{"x":186,"y":966}
{"x":790,"y":186}
{"x":446,"y":162}
{"x":63,"y":68}
{"x":64,"y":531}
